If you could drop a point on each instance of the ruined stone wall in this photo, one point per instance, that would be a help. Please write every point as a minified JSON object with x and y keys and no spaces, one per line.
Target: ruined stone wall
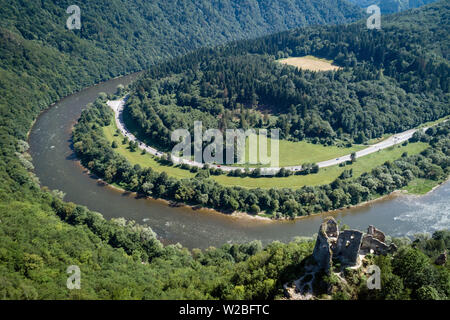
{"x":376,"y":234}
{"x":347,"y":249}
{"x":371,"y":245}
{"x":346,"y":246}
{"x":322,"y":251}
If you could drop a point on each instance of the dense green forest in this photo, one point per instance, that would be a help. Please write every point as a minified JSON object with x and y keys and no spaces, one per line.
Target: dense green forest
{"x":40,"y":235}
{"x":392,"y":80}
{"x":392,"y":6}
{"x":137,"y":32}
{"x":120,"y":260}
{"x":40,"y":62}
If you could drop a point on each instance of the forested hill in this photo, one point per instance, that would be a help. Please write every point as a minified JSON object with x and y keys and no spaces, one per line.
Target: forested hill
{"x":40,"y":235}
{"x":40,"y":62}
{"x":138,"y":31}
{"x":391,"y":80}
{"x":392,"y":6}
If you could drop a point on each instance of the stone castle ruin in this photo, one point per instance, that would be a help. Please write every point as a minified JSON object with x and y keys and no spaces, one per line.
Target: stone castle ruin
{"x":347,"y":246}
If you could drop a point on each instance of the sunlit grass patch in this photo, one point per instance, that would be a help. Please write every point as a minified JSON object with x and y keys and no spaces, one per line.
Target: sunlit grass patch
{"x":420,"y":186}
{"x":325,"y":175}
{"x":310,"y":63}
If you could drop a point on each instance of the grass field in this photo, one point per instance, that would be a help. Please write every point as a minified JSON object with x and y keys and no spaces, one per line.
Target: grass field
{"x":310,"y":63}
{"x":326,"y":175}
{"x":329,"y":174}
{"x":290,"y":153}
{"x":144,"y":160}
{"x":420,"y":186}
{"x":296,"y":153}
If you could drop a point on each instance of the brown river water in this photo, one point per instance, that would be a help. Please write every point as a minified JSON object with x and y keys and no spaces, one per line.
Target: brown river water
{"x":57,"y":168}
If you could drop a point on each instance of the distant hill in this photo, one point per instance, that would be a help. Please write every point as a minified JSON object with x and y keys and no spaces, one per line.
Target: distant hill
{"x":390,"y":81}
{"x":136,"y":32}
{"x":392,"y":6}
{"x":123,"y":36}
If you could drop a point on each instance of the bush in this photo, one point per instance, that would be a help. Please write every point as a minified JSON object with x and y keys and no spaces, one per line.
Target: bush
{"x":254,"y":209}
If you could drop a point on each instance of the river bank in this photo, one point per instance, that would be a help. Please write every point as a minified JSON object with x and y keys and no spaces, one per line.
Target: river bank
{"x":134,"y":74}
{"x":396,"y":139}
{"x":259,"y":217}
{"x":57,"y":168}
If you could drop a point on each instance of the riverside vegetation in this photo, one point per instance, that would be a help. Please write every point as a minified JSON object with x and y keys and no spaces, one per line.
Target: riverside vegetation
{"x":97,"y":154}
{"x":41,"y":62}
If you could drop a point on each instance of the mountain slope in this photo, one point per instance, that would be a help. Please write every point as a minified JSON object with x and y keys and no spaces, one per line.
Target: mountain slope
{"x":40,"y":55}
{"x":392,"y":6}
{"x":141,"y":31}
{"x":391,"y":80}
{"x":40,"y":62}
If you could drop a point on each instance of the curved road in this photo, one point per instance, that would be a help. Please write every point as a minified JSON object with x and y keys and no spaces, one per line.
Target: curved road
{"x":118,"y":105}
{"x":57,"y":167}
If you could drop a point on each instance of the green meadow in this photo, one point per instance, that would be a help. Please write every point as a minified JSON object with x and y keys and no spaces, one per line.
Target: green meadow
{"x":325,"y":175}
{"x":297,"y":153}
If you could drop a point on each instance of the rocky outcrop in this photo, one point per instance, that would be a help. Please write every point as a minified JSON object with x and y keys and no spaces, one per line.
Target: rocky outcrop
{"x":346,"y":247}
{"x":302,"y":288}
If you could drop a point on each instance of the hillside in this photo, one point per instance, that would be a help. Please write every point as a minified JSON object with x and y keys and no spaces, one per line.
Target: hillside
{"x":40,"y":235}
{"x":392,"y":6}
{"x":390,"y":81}
{"x":40,"y":55}
{"x":41,"y":62}
{"x":138,"y":32}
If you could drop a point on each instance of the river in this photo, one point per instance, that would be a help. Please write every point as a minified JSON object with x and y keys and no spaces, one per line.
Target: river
{"x":57,"y":168}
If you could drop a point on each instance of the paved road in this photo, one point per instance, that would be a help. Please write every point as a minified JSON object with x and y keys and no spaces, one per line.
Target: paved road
{"x":117,"y":106}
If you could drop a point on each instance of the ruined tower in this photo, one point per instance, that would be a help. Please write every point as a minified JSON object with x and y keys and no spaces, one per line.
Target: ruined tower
{"x":348,"y":245}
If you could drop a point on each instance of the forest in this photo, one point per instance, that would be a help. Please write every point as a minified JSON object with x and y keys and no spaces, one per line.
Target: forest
{"x":40,"y":234}
{"x":122,"y":260}
{"x":392,"y":6}
{"x":392,"y":80}
{"x":41,"y":62}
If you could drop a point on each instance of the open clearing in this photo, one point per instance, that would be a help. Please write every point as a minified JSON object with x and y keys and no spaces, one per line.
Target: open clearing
{"x":290,"y":153}
{"x":420,"y":186}
{"x":297,"y":153}
{"x":325,"y":175}
{"x":310,"y":63}
{"x":328,"y":174}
